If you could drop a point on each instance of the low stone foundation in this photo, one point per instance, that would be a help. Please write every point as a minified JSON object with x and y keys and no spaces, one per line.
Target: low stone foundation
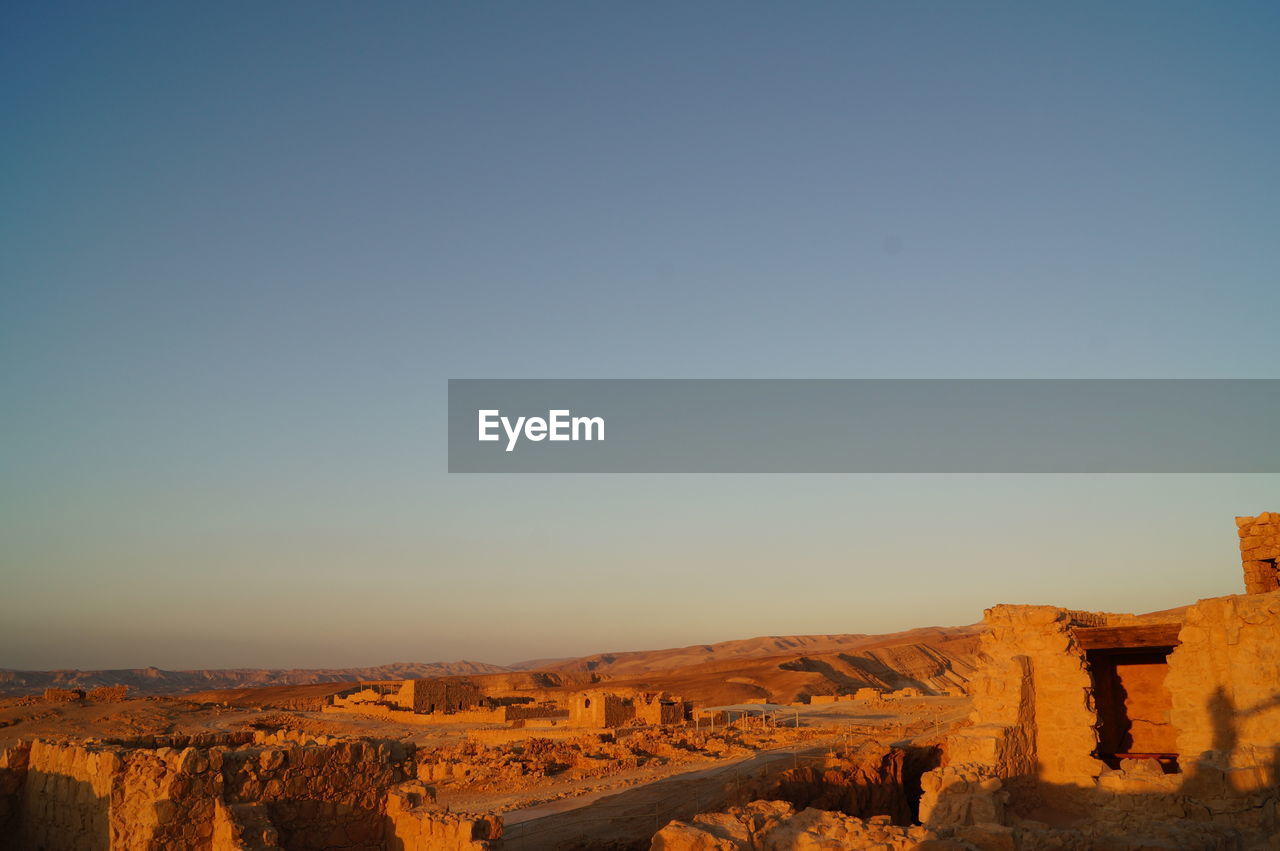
{"x":228,"y":793}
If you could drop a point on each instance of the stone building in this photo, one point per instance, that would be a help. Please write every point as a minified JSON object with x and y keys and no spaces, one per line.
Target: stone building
{"x":1126,"y":720}
{"x":443,"y":695}
{"x":600,"y":709}
{"x":659,"y":709}
{"x":606,"y":709}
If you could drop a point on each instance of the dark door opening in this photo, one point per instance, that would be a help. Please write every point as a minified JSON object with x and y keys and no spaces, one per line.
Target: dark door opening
{"x":1133,"y":705}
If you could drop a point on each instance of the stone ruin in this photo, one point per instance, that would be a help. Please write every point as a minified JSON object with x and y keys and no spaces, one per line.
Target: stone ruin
{"x":1127,"y":723}
{"x":441,"y":700}
{"x":101,"y":694}
{"x":596,"y":709}
{"x":226,"y":792}
{"x":434,"y":695}
{"x":1260,"y":552}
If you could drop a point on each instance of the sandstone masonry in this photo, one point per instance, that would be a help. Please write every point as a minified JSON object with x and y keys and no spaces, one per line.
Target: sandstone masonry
{"x":226,"y":793}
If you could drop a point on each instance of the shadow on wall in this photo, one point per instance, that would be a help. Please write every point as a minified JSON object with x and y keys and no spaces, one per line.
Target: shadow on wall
{"x":1213,"y":772}
{"x":304,"y":824}
{"x":64,"y":813}
{"x":1220,"y":789}
{"x":1227,"y":796}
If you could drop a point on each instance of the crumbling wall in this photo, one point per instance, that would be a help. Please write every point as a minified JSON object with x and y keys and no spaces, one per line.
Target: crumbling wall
{"x":522,"y":713}
{"x":1260,"y":552}
{"x":63,"y":695}
{"x":300,"y":797}
{"x":606,"y":709}
{"x":1225,"y":682}
{"x":101,"y":694}
{"x":319,"y":797}
{"x":165,"y":798}
{"x":413,"y":825}
{"x":656,"y":709}
{"x":179,"y":741}
{"x":419,"y":719}
{"x":1032,"y":707}
{"x":107,"y":694}
{"x":243,"y":827}
{"x":444,"y":694}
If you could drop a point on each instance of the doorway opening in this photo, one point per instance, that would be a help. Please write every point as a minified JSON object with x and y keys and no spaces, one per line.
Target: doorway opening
{"x":1127,"y":665}
{"x":1133,"y":705}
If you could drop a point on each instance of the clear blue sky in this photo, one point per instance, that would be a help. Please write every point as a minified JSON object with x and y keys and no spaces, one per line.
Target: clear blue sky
{"x":243,"y":246}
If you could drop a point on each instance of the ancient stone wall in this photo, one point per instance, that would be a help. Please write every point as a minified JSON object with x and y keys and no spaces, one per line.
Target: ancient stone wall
{"x":107,"y":694}
{"x":521,"y":713}
{"x":63,"y":695}
{"x":246,"y":797}
{"x":419,"y":719}
{"x":654,"y":709}
{"x":607,"y":709}
{"x":243,"y":827}
{"x":165,"y":798}
{"x":412,"y":825}
{"x":600,"y":709}
{"x":1225,"y":682}
{"x":319,"y":797}
{"x":444,"y":694}
{"x":1032,"y":705}
{"x":1260,"y":552}
{"x":189,"y":740}
{"x":65,"y":798}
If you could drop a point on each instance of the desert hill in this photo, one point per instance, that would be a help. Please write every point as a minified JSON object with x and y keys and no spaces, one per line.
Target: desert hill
{"x":785,"y":678}
{"x":778,"y":667}
{"x":631,"y":663}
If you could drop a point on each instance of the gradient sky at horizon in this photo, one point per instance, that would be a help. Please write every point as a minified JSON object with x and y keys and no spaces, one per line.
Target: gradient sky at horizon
{"x":242,"y":248}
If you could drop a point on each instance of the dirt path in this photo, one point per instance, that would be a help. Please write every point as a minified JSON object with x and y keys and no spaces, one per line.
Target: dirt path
{"x":634,"y":815}
{"x":629,"y":817}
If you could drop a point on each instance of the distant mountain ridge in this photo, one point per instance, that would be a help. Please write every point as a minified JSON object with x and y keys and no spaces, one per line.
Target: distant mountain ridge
{"x":159,"y":681}
{"x":770,"y":651}
{"x":633,"y":662}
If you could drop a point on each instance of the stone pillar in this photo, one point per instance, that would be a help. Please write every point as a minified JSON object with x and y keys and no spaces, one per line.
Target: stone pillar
{"x":1260,"y":552}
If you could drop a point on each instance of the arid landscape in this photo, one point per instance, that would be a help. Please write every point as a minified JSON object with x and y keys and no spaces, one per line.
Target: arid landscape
{"x":876,"y":660}
{"x":1039,"y":728}
{"x":663,"y":426}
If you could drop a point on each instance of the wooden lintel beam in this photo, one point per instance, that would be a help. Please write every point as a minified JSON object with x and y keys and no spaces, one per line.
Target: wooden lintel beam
{"x":1123,"y":637}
